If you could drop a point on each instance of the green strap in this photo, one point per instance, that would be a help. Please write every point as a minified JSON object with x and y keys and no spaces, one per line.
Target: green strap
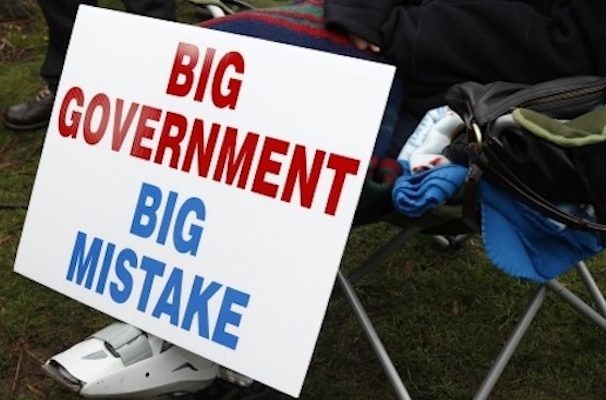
{"x":589,"y":128}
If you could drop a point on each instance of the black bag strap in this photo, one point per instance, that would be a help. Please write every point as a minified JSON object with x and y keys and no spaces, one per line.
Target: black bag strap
{"x":560,"y":98}
{"x":481,"y":104}
{"x":512,"y":183}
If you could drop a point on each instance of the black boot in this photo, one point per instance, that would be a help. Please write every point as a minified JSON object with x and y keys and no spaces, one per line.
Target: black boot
{"x":32,"y":114}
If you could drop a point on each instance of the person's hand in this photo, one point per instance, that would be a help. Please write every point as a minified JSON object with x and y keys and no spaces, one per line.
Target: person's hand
{"x":364,"y":45}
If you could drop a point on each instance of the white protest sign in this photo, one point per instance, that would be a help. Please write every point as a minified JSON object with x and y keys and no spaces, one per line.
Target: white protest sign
{"x":201,"y":186}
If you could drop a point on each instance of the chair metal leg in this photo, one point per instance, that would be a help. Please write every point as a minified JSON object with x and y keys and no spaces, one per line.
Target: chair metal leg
{"x":512,"y":343}
{"x":394,"y":244}
{"x":577,"y":303}
{"x":592,"y":287}
{"x":373,"y":338}
{"x":487,"y":386}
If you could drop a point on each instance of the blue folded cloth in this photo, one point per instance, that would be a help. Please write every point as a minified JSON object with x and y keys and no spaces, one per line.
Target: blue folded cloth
{"x":518,"y":240}
{"x":524,"y":243}
{"x":415,"y":194}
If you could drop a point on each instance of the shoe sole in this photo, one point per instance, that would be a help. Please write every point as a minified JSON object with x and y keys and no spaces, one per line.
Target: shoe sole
{"x":20,"y":128}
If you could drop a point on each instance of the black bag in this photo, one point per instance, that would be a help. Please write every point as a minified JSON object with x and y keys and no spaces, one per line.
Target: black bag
{"x":537,"y":171}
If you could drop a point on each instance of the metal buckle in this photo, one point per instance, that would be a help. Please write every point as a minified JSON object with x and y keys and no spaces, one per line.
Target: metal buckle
{"x":478,"y":134}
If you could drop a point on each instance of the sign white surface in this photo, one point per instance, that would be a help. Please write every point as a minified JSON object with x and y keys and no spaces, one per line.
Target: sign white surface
{"x":201,"y":185}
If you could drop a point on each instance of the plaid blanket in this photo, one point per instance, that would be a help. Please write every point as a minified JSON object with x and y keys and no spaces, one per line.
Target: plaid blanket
{"x":300,"y":24}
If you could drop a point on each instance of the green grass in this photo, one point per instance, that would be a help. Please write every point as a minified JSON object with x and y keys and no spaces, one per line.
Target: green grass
{"x":443,"y":315}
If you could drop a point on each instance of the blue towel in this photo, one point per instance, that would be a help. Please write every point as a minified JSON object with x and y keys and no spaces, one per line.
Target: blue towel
{"x":415,"y":194}
{"x":524,"y":243}
{"x":518,"y":240}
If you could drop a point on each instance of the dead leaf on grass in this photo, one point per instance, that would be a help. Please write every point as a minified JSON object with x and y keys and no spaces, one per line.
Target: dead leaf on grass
{"x":456,"y":308}
{"x":17,"y":373}
{"x":394,"y":292}
{"x":409,"y":266}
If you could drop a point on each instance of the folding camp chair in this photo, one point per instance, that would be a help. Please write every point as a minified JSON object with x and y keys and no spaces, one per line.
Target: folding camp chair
{"x":449,"y":229}
{"x":442,"y":221}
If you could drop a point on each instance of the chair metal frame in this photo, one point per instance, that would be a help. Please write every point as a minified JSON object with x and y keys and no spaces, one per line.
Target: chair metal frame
{"x":347,"y":281}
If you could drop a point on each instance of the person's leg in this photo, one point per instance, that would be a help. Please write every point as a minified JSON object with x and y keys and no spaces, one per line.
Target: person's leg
{"x":60,"y":16}
{"x":164,"y":9}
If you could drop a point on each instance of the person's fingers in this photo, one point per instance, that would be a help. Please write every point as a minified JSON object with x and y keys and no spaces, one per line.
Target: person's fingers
{"x":364,"y":45}
{"x":374,"y":48}
{"x":360,"y":43}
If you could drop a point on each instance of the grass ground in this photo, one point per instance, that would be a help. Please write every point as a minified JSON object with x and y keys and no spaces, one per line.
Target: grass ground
{"x":443,"y":315}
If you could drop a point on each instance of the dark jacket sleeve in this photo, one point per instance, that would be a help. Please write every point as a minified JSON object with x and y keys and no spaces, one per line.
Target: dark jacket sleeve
{"x":363,"y":18}
{"x":437,"y":43}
